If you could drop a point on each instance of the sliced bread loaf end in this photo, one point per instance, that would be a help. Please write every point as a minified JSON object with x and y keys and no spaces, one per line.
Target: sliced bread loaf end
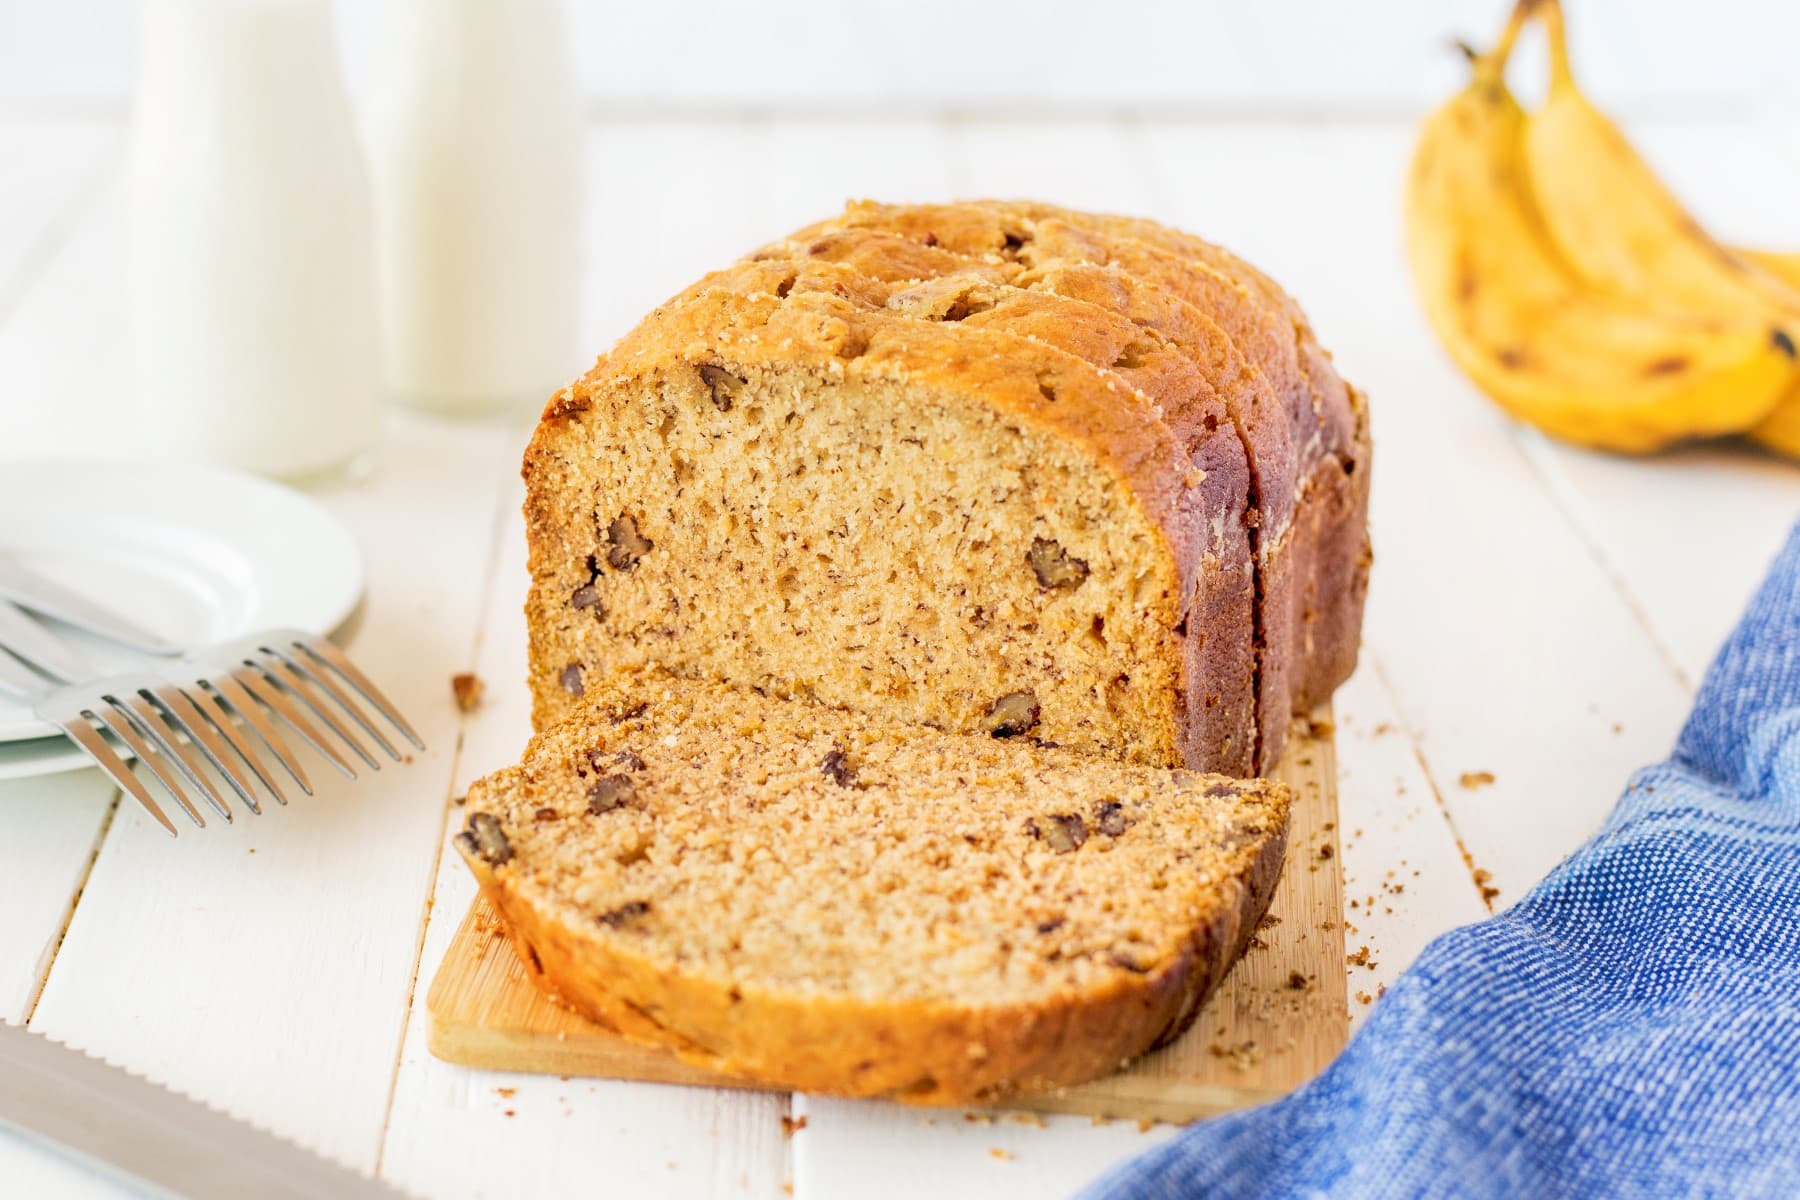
{"x":839,"y":903}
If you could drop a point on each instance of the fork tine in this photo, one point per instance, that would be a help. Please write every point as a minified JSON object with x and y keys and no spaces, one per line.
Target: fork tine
{"x":323,"y":679}
{"x":278,"y":670}
{"x":178,"y":709}
{"x":167,"y":740}
{"x":265,"y":690}
{"x":230,"y":695}
{"x":84,"y":735}
{"x":123,"y":727}
{"x":323,"y":649}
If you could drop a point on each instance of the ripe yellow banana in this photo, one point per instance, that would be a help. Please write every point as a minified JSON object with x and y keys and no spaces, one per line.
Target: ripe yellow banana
{"x":1780,"y":263}
{"x":1621,"y":230}
{"x":1603,"y":370}
{"x":1780,"y":430}
{"x":1617,"y":223}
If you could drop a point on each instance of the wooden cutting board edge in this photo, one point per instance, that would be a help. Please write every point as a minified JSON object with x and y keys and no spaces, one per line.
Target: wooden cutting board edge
{"x":1278,"y":1018}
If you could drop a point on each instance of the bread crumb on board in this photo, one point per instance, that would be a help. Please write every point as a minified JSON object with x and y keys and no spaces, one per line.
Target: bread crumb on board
{"x":468,"y":689}
{"x":792,"y":1125}
{"x":1242,"y":1056}
{"x":1002,"y":1155}
{"x":1488,"y":891}
{"x":1475,"y":779}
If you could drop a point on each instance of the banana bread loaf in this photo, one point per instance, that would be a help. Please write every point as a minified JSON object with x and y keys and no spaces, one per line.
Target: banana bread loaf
{"x":954,"y":464}
{"x":838,"y":903}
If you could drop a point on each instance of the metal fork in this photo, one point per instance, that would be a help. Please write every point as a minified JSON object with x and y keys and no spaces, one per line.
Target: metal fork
{"x":168,"y":710}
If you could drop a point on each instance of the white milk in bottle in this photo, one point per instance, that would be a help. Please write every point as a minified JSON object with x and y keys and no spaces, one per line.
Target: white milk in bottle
{"x":475,"y":145}
{"x":252,"y":272}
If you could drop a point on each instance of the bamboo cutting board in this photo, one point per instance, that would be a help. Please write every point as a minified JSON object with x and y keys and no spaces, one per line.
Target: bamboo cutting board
{"x":1278,"y":1018}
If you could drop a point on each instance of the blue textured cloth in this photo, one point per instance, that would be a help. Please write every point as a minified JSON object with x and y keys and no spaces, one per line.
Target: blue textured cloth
{"x":1630,"y":1028}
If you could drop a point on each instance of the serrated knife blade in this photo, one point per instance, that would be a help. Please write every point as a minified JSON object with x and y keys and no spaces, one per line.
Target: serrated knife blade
{"x":124,"y":1124}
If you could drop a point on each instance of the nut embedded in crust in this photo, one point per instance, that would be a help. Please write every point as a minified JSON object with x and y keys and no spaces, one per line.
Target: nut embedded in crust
{"x":1054,"y":566}
{"x":624,"y":545}
{"x":486,"y":840}
{"x":1012,"y":714}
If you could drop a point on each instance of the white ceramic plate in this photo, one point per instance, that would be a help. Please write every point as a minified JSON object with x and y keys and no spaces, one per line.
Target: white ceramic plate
{"x":40,"y":756}
{"x":196,"y":554}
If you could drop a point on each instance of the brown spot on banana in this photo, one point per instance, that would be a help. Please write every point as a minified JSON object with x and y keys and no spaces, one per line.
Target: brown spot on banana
{"x":1674,"y":364}
{"x":1783,"y":342}
{"x":1512,"y":359}
{"x":1465,"y":280}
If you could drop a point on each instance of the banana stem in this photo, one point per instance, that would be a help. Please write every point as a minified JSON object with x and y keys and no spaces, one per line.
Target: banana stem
{"x":1491,"y":67}
{"x":1562,"y":77}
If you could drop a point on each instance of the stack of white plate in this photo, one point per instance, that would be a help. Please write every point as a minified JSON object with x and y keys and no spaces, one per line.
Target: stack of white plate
{"x":195,"y":554}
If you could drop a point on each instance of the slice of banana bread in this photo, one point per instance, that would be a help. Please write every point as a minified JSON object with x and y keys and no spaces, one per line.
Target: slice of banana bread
{"x":833,"y":902}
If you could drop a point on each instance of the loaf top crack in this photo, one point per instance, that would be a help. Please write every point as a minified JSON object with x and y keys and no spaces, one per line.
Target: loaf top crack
{"x":832,"y":901}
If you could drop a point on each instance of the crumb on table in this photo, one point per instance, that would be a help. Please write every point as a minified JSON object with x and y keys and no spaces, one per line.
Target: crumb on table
{"x":468,"y":689}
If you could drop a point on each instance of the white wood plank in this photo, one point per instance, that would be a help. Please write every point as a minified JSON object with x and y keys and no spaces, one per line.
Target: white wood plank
{"x":1686,"y":536}
{"x":266,"y":966}
{"x":52,"y":830}
{"x":538,"y":1133}
{"x":1508,"y":648}
{"x":874,"y":1151}
{"x":53,"y":167}
{"x":1405,"y":881}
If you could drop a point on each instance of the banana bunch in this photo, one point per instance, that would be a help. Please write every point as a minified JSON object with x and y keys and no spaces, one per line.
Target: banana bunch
{"x":1569,"y":283}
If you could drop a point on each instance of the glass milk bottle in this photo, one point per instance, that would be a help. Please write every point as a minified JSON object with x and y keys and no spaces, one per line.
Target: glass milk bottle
{"x":476,"y":148}
{"x":252,"y":271}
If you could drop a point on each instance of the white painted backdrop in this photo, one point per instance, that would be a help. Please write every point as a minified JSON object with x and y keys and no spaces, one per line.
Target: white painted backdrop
{"x":1031,"y":57}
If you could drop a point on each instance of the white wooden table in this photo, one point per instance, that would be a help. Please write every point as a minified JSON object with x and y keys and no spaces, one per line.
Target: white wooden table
{"x":1538,"y":613}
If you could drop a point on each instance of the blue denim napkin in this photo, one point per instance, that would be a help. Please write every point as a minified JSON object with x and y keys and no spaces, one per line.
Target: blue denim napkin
{"x":1630,"y":1028}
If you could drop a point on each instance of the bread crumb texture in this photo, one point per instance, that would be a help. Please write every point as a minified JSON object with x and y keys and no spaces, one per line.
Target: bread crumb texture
{"x":724,"y":868}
